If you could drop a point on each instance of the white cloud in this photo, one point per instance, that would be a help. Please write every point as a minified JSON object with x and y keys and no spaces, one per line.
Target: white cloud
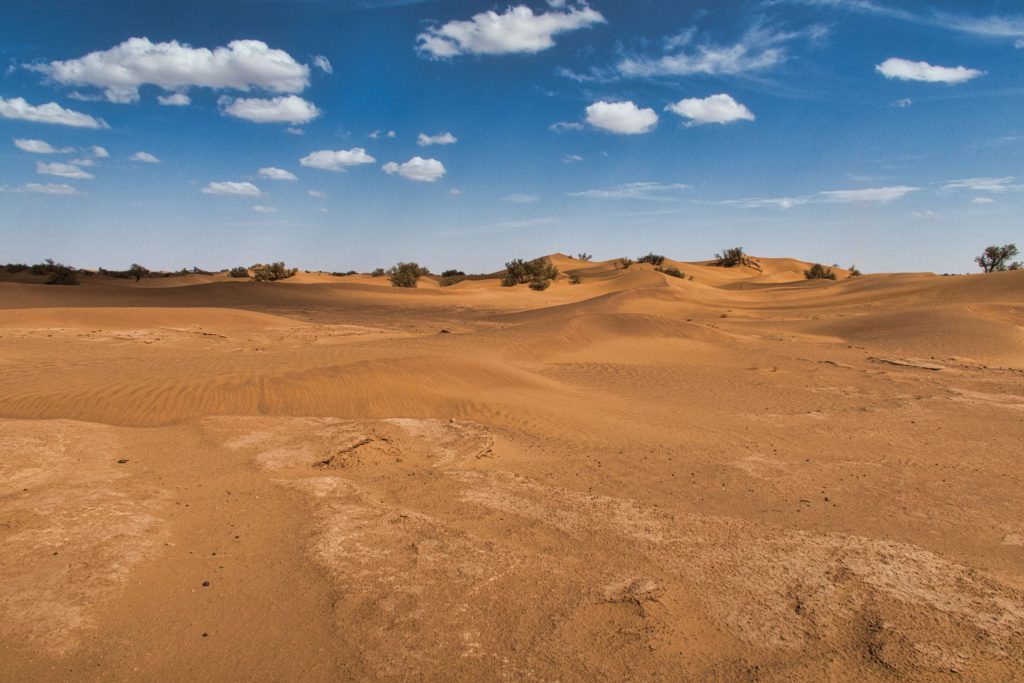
{"x":762,"y":202}
{"x":904,"y":103}
{"x":276,"y":173}
{"x":336,"y":160}
{"x":571,"y":159}
{"x":517,"y":30}
{"x":99,"y":152}
{"x":881,"y":195}
{"x":228,"y":187}
{"x":623,"y":118}
{"x":316,"y":194}
{"x":760,"y":48}
{"x":391,"y":133}
{"x":43,"y":188}
{"x":719,"y":108}
{"x":264,"y":209}
{"x":40,"y":147}
{"x":996,"y":185}
{"x":983,"y":200}
{"x":174,"y":66}
{"x":323,"y":64}
{"x":906,"y":70}
{"x":50,"y":112}
{"x":294,"y":131}
{"x":63,"y":170}
{"x":663,"y":192}
{"x":144,"y":157}
{"x":178,"y":99}
{"x":417,"y":168}
{"x":284,"y":109}
{"x":455,"y":191}
{"x":440,"y":139}
{"x":82,"y":162}
{"x":565,"y":126}
{"x":522,"y":198}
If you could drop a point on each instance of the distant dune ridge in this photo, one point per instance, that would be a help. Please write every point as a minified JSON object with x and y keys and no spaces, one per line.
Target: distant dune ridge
{"x":667,"y":471}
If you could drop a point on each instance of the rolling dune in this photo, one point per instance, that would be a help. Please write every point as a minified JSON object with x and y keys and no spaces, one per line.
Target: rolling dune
{"x":743,"y":476}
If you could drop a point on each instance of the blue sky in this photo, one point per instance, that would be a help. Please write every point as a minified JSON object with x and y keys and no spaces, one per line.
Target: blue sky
{"x":462,"y":134}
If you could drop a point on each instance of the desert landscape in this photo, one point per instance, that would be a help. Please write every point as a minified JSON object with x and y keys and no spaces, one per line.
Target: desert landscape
{"x":738,"y":474}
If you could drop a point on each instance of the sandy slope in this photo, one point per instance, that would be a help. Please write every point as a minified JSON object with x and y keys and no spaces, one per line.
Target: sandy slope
{"x":743,"y":476}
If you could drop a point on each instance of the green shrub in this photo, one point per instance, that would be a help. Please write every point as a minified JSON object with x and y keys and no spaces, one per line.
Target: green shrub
{"x":451,"y":273}
{"x":61,"y":274}
{"x":377,"y":272}
{"x":624,"y":262}
{"x":652,"y":258}
{"x":16,"y":267}
{"x":575,"y":279}
{"x":518,"y":271}
{"x":448,"y":281}
{"x":854,"y":272}
{"x":271,"y":272}
{"x":996,"y":258}
{"x":406,"y":274}
{"x":583,"y":256}
{"x":540,"y":283}
{"x":239,"y":271}
{"x":819,"y":272}
{"x":673,"y":272}
{"x":731,"y":257}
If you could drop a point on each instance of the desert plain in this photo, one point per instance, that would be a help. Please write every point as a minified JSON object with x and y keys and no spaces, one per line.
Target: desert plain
{"x":737,"y":475}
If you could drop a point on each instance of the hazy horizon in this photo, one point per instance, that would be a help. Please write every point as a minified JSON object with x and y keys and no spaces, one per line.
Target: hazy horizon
{"x":338,"y":135}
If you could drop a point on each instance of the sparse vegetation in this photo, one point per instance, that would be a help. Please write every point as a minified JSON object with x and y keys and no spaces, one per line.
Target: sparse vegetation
{"x":997,"y":259}
{"x":672,"y":272}
{"x":854,"y":272}
{"x":583,"y":256}
{"x":338,"y":273}
{"x":449,"y":280}
{"x":451,"y":273}
{"x":377,"y":272}
{"x":15,"y":267}
{"x":540,"y":284}
{"x":61,"y":274}
{"x":239,"y":271}
{"x":137,"y":271}
{"x":271,"y":272}
{"x":575,"y":278}
{"x":624,"y":262}
{"x":730,"y":258}
{"x":652,"y":258}
{"x":518,"y":271}
{"x":405,"y":274}
{"x":819,"y":272}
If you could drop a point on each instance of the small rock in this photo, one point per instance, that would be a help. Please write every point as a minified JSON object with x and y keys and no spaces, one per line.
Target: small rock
{"x":205,"y":584}
{"x":122,"y":461}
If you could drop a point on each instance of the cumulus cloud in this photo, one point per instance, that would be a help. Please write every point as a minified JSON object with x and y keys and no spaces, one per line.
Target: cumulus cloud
{"x":996,"y":185}
{"x":623,"y":118}
{"x":40,"y":147}
{"x":284,"y":109}
{"x":336,"y":160}
{"x":663,"y":192}
{"x":719,"y":108}
{"x":51,"y":112}
{"x":99,"y":152}
{"x":276,"y":173}
{"x":174,"y":66}
{"x":144,"y":157}
{"x":178,"y":99}
{"x":906,"y":70}
{"x":43,"y":188}
{"x":323,"y":64}
{"x":517,"y":30}
{"x":227,"y":187}
{"x":63,"y":170}
{"x":425,"y":140}
{"x":760,"y":48}
{"x":264,"y":209}
{"x":417,"y":168}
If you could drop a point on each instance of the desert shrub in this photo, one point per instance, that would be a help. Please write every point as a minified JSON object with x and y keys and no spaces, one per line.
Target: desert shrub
{"x":448,"y":281}
{"x":43,"y":268}
{"x":819,"y":272}
{"x":730,"y":258}
{"x":540,"y":283}
{"x":346,"y":273}
{"x":854,"y":272}
{"x":652,"y":258}
{"x":673,"y":272}
{"x":575,"y":279}
{"x":624,"y":262}
{"x":377,"y":272}
{"x":61,"y":274}
{"x":583,"y":256}
{"x":995,"y":258}
{"x":451,"y":273}
{"x":271,"y":272}
{"x":406,"y":274}
{"x":16,"y":267}
{"x":518,"y":271}
{"x":137,"y":271}
{"x":239,"y":271}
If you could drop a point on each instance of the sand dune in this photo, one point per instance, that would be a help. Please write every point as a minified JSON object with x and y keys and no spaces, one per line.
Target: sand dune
{"x":743,"y":476}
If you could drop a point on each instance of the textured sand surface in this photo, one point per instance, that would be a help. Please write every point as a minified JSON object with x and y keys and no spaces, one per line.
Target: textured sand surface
{"x":743,"y":476}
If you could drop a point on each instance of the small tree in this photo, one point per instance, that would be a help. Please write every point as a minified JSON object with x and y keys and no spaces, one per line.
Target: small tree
{"x":518,"y":271}
{"x":652,"y":258}
{"x":819,"y":272}
{"x":271,"y":272}
{"x":138,"y":272}
{"x":624,"y":262}
{"x":583,"y":256}
{"x":239,"y":271}
{"x":996,"y":259}
{"x":406,"y":274}
{"x":730,"y":258}
{"x":61,"y":274}
{"x":377,"y":272}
